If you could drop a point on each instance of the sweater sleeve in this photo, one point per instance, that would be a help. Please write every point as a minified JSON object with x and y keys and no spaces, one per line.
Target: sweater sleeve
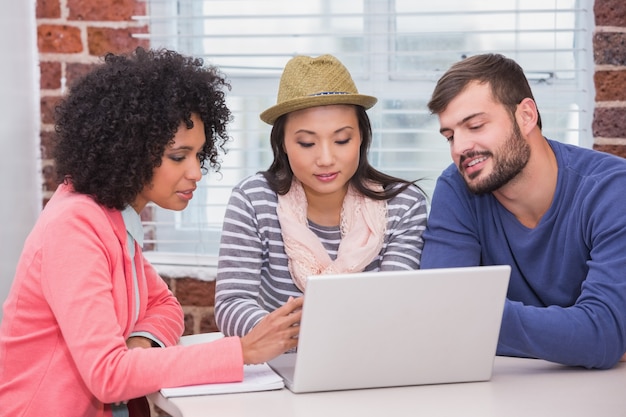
{"x":238,"y":281}
{"x":588,"y":261}
{"x":591,"y":332}
{"x":91,"y":308}
{"x":406,"y":214}
{"x":163,"y":317}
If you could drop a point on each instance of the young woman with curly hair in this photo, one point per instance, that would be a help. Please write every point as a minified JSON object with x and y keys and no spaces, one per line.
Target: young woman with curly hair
{"x":139,"y":128}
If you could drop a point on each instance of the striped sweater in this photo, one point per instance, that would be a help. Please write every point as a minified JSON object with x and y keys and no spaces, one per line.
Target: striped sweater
{"x":252,"y":274}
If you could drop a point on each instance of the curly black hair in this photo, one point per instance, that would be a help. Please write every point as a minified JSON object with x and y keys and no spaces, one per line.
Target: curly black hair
{"x":115,"y":123}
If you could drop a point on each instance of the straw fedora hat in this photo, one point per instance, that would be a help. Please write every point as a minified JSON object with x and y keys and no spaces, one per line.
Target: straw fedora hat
{"x":310,"y":82}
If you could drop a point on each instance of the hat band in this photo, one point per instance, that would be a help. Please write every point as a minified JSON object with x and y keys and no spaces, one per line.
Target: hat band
{"x":327,"y":93}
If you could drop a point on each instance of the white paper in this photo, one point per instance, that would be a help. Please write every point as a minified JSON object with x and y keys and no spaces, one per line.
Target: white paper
{"x":255,"y":378}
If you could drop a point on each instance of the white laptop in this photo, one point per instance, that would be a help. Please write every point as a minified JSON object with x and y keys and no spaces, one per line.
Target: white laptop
{"x":383,"y":329}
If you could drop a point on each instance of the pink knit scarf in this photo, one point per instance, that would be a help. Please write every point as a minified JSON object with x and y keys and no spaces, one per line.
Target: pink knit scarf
{"x":363,"y":225}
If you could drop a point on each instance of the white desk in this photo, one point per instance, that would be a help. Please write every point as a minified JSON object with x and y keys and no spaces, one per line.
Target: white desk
{"x":519,"y":387}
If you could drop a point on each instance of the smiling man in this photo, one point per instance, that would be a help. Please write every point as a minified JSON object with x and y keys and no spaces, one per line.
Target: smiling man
{"x":553,"y":212}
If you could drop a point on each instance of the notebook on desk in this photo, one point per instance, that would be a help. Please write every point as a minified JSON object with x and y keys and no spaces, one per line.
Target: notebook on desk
{"x":382,"y":329}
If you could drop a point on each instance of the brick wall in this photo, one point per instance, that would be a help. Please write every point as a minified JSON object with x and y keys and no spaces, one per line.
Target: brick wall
{"x":196,"y":296}
{"x":609,"y":47}
{"x":72,"y":36}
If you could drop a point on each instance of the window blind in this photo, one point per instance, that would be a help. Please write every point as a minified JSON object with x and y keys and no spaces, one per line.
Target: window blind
{"x":396,"y":50}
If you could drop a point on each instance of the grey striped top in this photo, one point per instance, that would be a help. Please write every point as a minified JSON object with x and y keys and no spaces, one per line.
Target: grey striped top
{"x":252,"y":274}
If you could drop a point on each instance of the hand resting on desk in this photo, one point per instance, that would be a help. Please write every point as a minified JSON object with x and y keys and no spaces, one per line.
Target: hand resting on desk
{"x":274,"y":335}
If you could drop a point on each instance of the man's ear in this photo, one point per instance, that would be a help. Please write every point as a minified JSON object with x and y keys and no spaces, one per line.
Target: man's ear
{"x":527,"y":115}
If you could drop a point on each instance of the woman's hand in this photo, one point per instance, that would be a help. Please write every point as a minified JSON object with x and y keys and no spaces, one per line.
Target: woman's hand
{"x":275,"y":334}
{"x":138,"y":342}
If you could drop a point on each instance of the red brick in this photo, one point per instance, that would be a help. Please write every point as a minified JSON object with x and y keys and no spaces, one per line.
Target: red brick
{"x":610,"y":12}
{"x":207,"y":322}
{"x":48,"y":9}
{"x":619,"y":150}
{"x":59,"y":39}
{"x":49,"y":178}
{"x":50,"y":75}
{"x":195,"y":292}
{"x":609,"y":122}
{"x":47,"y":144}
{"x":148,"y":215}
{"x":189,"y":324}
{"x":609,"y":48}
{"x":75,"y":71}
{"x":610,"y":85}
{"x":111,"y":10}
{"x":104,"y":40}
{"x":47,"y":109}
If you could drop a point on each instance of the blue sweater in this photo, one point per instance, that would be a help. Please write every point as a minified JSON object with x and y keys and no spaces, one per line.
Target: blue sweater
{"x":566,"y":301}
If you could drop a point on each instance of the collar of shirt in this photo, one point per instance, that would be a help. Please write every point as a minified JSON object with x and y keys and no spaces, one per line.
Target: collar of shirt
{"x":132,"y":220}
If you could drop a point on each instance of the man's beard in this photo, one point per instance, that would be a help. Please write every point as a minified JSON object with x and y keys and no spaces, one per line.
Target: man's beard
{"x":509,"y":161}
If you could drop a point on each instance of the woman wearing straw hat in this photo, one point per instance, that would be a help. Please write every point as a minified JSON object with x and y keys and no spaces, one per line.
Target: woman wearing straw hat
{"x":320,"y":207}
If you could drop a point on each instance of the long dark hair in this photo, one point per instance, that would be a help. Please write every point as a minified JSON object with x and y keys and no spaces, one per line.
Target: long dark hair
{"x":279,"y":175}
